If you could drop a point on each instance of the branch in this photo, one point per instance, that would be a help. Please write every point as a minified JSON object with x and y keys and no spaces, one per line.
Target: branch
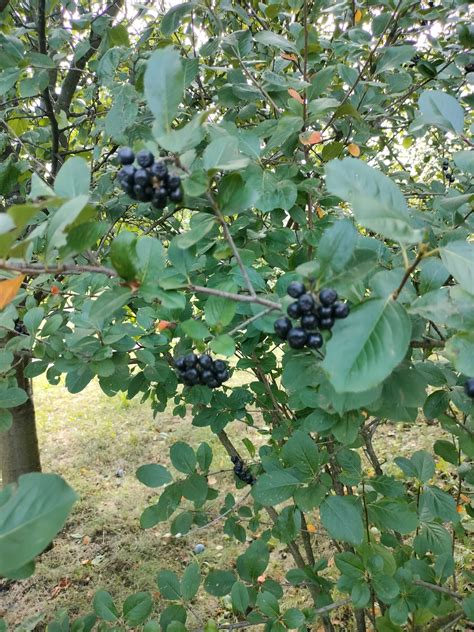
{"x":429,"y":343}
{"x":242,"y":298}
{"x":441,"y":589}
{"x":74,"y":74}
{"x":35,"y":269}
{"x":407,"y":274}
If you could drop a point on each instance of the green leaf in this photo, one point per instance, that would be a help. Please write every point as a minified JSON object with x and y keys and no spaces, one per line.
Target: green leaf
{"x":394,"y":57}
{"x":195,"y":488}
{"x":386,"y":587}
{"x":195,"y":329}
{"x":172,"y":18}
{"x":268,"y":604}
{"x":274,"y":488}
{"x":434,"y":503}
{"x":12,"y":397}
{"x":73,"y":179}
{"x":66,"y":215}
{"x":223,"y":345}
{"x":219,"y":583}
{"x":183,"y":457}
{"x":377,"y":202}
{"x":446,"y":450}
{"x":460,"y":350}
{"x":240,"y":597}
{"x":251,"y":564}
{"x":201,"y":224}
{"x":183,"y":138}
{"x":393,"y":514}
{"x":33,"y":514}
{"x":342,"y":520}
{"x":464,"y":161}
{"x":104,"y":606}
{"x":293,"y":618}
{"x":224,"y":154}
{"x":108,"y":303}
{"x":375,"y":340}
{"x":153,"y":475}
{"x":442,"y":110}
{"x":421,"y":465}
{"x":268,"y":38}
{"x":301,"y":452}
{"x":123,"y":255}
{"x":33,"y":318}
{"x":137,"y":608}
{"x":458,"y":257}
{"x":272,"y":192}
{"x":468,"y":607}
{"x":169,"y":585}
{"x":190,"y":582}
{"x":164,"y":85}
{"x":337,"y":245}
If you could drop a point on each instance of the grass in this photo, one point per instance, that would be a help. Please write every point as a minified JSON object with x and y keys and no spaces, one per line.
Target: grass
{"x":96,"y":443}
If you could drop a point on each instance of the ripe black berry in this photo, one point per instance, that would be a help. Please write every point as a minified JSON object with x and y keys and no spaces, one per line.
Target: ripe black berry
{"x":305,"y":303}
{"x":213,"y":383}
{"x":445,"y":164}
{"x":315,"y":341}
{"x":326,"y":323}
{"x":174,"y":182}
{"x":127,"y":175}
{"x":309,"y":322}
{"x":450,"y":178}
{"x":145,"y":158}
{"x":282,"y":326}
{"x":207,"y":376}
{"x":190,"y":360}
{"x":125,"y":156}
{"x":295,"y":289}
{"x":469,"y":387}
{"x":324,"y":312}
{"x":219,"y":365}
{"x":293,"y":310}
{"x":191,"y":377}
{"x":340,"y":310}
{"x":180,"y":364}
{"x":159,"y":170}
{"x":159,"y":198}
{"x":176,"y":195}
{"x":205,"y":361}
{"x":222,"y":376}
{"x":297,"y":338}
{"x":328,"y":296}
{"x":142,"y":177}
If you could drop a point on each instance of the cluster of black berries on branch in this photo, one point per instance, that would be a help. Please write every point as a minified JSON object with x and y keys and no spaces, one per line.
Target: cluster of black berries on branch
{"x":449,"y":174}
{"x":194,"y":369}
{"x":314,"y":313}
{"x":242,"y":472}
{"x":469,"y":387}
{"x":150,"y":182}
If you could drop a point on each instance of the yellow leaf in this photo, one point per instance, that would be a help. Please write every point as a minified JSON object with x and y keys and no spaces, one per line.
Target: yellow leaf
{"x":320,"y":213}
{"x":9,"y":289}
{"x":289,"y":56}
{"x":311,"y":138}
{"x":295,"y":95}
{"x":353,"y":149}
{"x":357,"y":16}
{"x":311,"y":527}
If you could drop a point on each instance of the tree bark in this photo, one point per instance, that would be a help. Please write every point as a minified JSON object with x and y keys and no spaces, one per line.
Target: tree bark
{"x":19,"y":450}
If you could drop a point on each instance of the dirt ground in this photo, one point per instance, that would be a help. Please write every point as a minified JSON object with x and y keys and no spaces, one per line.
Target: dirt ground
{"x":96,"y":443}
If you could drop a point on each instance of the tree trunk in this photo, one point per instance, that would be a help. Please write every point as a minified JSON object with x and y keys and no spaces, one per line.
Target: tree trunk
{"x":19,"y":450}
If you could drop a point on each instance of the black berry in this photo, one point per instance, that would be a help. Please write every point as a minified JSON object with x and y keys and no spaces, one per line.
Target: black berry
{"x":145,"y":158}
{"x":176,"y":195}
{"x":190,"y":360}
{"x":159,"y":198}
{"x":326,"y":323}
{"x":309,"y":322}
{"x":340,"y":310}
{"x":174,"y":182}
{"x":159,"y":170}
{"x":125,"y":156}
{"x":222,"y":376}
{"x":445,"y":165}
{"x":295,"y":289}
{"x":282,"y":326}
{"x":205,"y":361}
{"x":305,"y":303}
{"x":469,"y":387}
{"x":127,"y":174}
{"x":219,"y":365}
{"x":191,"y":377}
{"x":142,"y":177}
{"x":328,"y":296}
{"x":324,"y":312}
{"x":293,"y":310}
{"x":180,"y":364}
{"x":207,"y":376}
{"x":315,"y":341}
{"x":297,"y":338}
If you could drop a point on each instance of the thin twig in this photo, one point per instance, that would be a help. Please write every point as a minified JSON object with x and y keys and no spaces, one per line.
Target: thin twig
{"x":242,"y":298}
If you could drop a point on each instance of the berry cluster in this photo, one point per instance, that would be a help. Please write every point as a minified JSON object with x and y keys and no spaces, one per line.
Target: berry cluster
{"x":242,"y":472}
{"x":194,"y":369}
{"x":150,"y":182}
{"x":449,"y":174}
{"x":469,"y":387}
{"x":20,"y":327}
{"x":314,"y":313}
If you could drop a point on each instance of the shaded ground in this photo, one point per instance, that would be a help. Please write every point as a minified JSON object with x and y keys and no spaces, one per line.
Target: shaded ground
{"x":97,"y":443}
